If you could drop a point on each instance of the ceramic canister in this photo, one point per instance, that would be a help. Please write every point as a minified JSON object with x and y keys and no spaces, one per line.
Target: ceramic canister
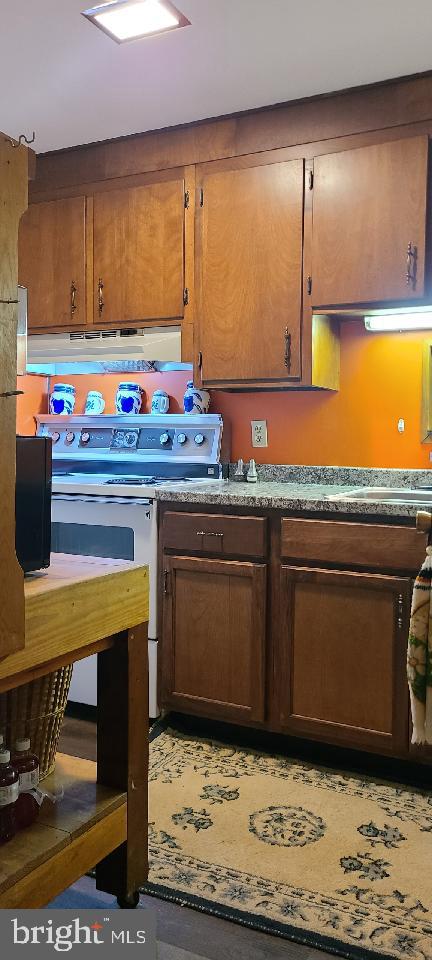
{"x":195,"y":399}
{"x":62,"y":399}
{"x":95,"y":403}
{"x":160,"y":402}
{"x":129,"y":398}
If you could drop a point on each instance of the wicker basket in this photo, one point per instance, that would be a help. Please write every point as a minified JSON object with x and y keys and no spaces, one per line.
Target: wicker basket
{"x":36,"y":710}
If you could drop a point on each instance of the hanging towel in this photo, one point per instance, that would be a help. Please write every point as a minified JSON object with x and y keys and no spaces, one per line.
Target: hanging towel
{"x":419,"y":660}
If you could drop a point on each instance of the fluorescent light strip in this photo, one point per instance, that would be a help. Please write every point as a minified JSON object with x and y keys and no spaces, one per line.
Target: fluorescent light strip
{"x":130,"y":19}
{"x":399,"y":321}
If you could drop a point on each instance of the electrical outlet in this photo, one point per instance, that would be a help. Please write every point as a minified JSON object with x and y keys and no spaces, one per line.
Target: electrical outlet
{"x":259,"y":433}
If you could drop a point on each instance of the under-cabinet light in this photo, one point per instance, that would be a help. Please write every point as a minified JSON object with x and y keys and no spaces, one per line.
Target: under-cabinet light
{"x":132,"y":19}
{"x":394,"y":321}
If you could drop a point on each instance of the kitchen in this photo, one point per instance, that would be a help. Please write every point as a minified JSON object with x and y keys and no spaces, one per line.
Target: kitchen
{"x":228,"y":303}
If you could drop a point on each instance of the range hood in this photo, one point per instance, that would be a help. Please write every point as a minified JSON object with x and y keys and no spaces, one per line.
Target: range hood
{"x":106,"y":351}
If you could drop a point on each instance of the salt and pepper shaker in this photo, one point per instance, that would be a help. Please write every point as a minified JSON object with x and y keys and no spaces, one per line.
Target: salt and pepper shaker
{"x":252,"y":474}
{"x":239,"y":471}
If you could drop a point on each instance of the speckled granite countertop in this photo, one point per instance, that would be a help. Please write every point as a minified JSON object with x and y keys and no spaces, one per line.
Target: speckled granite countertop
{"x":307,"y":489}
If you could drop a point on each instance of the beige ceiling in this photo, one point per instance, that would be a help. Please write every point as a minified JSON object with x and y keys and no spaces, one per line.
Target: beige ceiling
{"x":64,"y":78}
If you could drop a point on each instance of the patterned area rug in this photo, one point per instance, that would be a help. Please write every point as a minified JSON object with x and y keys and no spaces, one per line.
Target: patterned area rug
{"x":337,"y":861}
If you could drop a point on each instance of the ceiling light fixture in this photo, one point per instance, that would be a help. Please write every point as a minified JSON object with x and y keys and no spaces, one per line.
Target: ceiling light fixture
{"x":126,"y":20}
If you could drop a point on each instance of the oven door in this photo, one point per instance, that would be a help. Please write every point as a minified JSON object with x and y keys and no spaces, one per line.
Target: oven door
{"x":118,"y":528}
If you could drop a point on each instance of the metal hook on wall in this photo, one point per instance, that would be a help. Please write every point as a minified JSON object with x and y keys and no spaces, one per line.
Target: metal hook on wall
{"x":21,"y":139}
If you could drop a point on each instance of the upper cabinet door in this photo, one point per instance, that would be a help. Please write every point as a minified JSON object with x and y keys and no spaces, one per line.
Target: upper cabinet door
{"x":138,"y":253}
{"x":369,"y":224}
{"x":51,"y":262}
{"x":249,"y":271}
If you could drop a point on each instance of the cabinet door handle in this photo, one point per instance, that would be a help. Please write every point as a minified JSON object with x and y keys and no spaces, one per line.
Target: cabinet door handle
{"x":208,"y":533}
{"x":411,"y":264}
{"x":287,"y":349}
{"x":74,"y":292}
{"x":101,"y":301}
{"x":400,"y":612}
{"x":166,"y":582}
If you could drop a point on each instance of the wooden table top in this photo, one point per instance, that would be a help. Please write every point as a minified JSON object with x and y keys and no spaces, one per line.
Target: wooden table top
{"x":71,"y":608}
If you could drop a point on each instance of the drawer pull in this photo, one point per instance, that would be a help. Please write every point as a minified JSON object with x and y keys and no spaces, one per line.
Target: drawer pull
{"x":208,"y":533}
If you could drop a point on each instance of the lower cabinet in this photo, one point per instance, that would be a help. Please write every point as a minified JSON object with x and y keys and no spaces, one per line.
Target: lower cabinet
{"x":214,"y":635}
{"x":343,"y":651}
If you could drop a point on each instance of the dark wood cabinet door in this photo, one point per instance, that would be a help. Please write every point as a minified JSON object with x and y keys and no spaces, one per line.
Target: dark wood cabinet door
{"x":344,"y":638}
{"x":249,"y":271}
{"x":52,"y":262}
{"x":138,"y":253}
{"x":214,"y":637}
{"x":369,"y":223}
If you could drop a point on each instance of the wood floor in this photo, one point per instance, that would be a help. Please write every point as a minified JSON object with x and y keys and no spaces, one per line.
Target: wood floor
{"x":183,"y":934}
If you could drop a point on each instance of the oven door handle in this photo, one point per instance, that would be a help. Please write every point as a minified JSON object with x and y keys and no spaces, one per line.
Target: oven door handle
{"x":96,"y":500}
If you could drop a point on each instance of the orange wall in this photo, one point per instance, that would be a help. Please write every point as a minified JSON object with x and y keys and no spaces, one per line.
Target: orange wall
{"x":34,"y":400}
{"x":380,"y":382}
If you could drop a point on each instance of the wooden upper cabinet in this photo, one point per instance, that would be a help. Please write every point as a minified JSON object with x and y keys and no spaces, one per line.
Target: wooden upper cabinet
{"x":369,"y":223}
{"x":52,"y":262}
{"x":139,"y":253}
{"x":249,"y":270}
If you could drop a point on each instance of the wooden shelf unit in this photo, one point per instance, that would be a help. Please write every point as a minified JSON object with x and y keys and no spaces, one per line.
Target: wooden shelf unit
{"x":76,"y":608}
{"x":89,"y":821}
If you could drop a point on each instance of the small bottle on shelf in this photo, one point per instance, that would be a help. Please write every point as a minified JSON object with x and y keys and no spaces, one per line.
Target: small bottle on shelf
{"x":27,"y":766}
{"x":9,"y":792}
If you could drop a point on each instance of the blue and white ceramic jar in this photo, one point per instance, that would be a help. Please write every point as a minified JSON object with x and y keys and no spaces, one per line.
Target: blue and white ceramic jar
{"x":62,"y":399}
{"x":129,"y":398}
{"x":195,"y":399}
{"x":95,"y":403}
{"x":160,"y":402}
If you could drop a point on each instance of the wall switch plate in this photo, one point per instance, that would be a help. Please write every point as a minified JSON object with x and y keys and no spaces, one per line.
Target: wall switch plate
{"x":259,"y":433}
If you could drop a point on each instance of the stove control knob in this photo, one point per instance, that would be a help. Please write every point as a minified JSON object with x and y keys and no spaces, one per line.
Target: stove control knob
{"x":70,"y":437}
{"x":164,"y":439}
{"x":182,"y":438}
{"x":199,"y":439}
{"x":85,"y":438}
{"x":130,"y":439}
{"x":55,"y":437}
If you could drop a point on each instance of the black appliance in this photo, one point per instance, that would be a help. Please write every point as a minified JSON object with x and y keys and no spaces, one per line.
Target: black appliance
{"x":33,"y":502}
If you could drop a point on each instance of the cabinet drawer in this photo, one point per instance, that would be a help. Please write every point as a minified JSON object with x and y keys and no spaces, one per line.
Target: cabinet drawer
{"x":355,"y":544}
{"x":210,"y":533}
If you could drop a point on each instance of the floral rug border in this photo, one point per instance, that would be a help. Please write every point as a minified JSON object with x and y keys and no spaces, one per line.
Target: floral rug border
{"x":306,"y":938}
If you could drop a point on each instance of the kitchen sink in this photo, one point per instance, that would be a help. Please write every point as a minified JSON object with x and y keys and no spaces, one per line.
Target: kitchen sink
{"x":385,"y":495}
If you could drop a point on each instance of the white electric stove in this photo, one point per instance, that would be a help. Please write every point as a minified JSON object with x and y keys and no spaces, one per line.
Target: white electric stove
{"x":105,"y":473}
